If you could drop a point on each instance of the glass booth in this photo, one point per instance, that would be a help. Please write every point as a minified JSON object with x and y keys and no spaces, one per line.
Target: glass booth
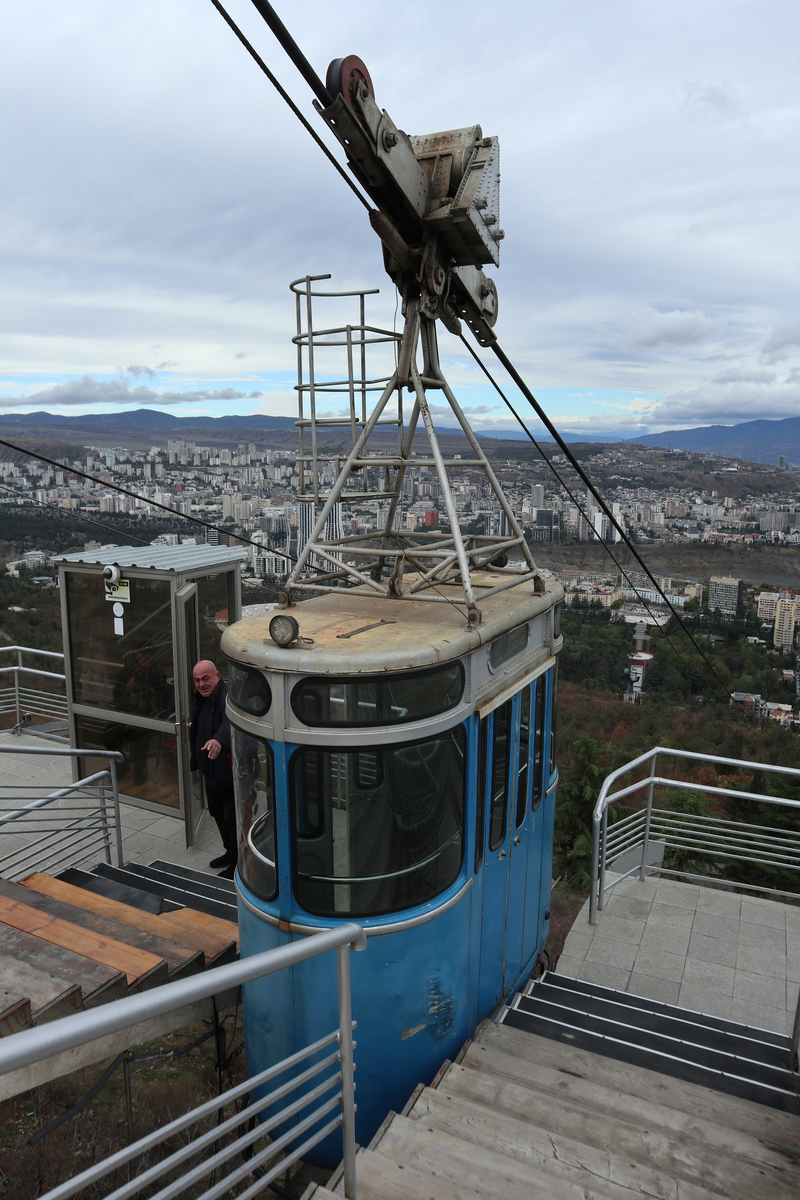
{"x":136,"y":620}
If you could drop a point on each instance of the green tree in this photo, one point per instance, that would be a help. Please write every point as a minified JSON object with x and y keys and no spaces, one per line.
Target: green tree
{"x":577,"y":796}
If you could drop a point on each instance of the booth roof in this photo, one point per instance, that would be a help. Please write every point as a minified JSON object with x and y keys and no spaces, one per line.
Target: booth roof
{"x":162,"y":558}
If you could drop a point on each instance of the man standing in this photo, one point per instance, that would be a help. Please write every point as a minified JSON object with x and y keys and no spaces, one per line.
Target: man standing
{"x":210,"y":740}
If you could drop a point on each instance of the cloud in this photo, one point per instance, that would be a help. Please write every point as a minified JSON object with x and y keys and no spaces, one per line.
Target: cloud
{"x":136,"y":371}
{"x":712,"y":101}
{"x":676,"y":328}
{"x":781,"y":341}
{"x":745,"y":375}
{"x":725,"y":404}
{"x":90,"y":392}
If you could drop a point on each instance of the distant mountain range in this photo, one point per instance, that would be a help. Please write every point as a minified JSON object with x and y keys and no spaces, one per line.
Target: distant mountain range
{"x":755,"y":441}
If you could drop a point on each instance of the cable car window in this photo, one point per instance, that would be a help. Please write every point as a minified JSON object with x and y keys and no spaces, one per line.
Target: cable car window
{"x":523,"y":755}
{"x":498,"y":809}
{"x":480,"y":801}
{"x":539,"y":693}
{"x":254,"y":789}
{"x":553,"y":713}
{"x":248,"y":689}
{"x":508,"y":646}
{"x":390,"y":831}
{"x":384,"y":700}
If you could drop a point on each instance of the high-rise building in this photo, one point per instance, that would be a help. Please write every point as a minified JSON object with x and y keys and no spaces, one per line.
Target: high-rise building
{"x":785,"y":616}
{"x":307,"y":514}
{"x":724,"y":595}
{"x":537,"y":495}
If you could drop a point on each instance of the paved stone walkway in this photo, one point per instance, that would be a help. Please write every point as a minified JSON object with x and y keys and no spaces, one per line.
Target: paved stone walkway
{"x":146,"y":835}
{"x":701,"y":948}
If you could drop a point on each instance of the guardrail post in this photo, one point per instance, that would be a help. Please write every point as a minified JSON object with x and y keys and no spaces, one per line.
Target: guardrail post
{"x":112,"y":763}
{"x":16,"y":700}
{"x":346,"y":1063}
{"x":104,"y":818}
{"x":603,"y":844}
{"x":648,"y":814}
{"x":595,"y":869}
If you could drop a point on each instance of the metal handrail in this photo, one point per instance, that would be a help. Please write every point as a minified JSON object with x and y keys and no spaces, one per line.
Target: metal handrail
{"x":40,"y":704}
{"x":33,"y":1045}
{"x":100,"y":779}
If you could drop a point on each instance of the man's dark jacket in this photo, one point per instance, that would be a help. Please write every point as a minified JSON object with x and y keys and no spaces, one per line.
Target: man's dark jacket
{"x":210,"y":721}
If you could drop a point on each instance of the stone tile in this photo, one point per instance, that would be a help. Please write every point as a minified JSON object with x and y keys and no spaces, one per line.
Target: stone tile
{"x":681,"y":895}
{"x":760,"y":1016}
{"x":661,"y":937}
{"x":569,"y":966}
{"x":605,"y":976}
{"x":663,"y":990}
{"x":723,"y":904}
{"x":629,"y":907}
{"x":704,"y":1000}
{"x":793,"y":968}
{"x":764,"y":937}
{"x":707,"y":976}
{"x":763,"y":912}
{"x":641,"y":889}
{"x":760,"y":961}
{"x":712,"y":925}
{"x":618,"y":929}
{"x":792,"y":993}
{"x":671,"y":916}
{"x":714,"y":950}
{"x":577,"y":944}
{"x":769,"y":991}
{"x":166,"y":828}
{"x":614,"y":954}
{"x":792,"y":914}
{"x":659,"y":964}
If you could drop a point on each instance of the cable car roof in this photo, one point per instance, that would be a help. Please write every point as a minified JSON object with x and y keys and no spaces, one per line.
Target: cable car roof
{"x":177,"y":559}
{"x":355,"y":631}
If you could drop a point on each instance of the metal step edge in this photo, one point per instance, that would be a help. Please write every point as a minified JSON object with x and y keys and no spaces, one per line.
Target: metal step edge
{"x":190,"y":887}
{"x":651,"y":1033}
{"x":665,"y":1013}
{"x":224,"y":911}
{"x":211,"y":880}
{"x":659,"y":1007}
{"x":661,"y":1054}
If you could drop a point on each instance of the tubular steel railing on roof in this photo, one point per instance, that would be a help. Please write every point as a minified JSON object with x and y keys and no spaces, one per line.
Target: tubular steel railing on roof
{"x":26,"y":702}
{"x":67,"y":827}
{"x":315,"y":1097}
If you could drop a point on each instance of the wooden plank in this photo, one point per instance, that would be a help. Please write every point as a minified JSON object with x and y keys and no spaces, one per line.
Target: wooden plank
{"x":183,"y":933}
{"x":97,"y":981}
{"x":563,"y":1082}
{"x":190,"y":918}
{"x":465,"y":1163}
{"x":551,"y":1154}
{"x":15,"y":1013}
{"x":691,"y":1099}
{"x":50,"y":997}
{"x":64,"y":900}
{"x":384,"y":1179}
{"x":136,"y":964}
{"x":679,"y":1158}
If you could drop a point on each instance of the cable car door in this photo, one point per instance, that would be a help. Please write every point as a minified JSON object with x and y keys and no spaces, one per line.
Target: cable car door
{"x":496,"y":858}
{"x":536,"y":824}
{"x":188,"y":647}
{"x":519,"y":791}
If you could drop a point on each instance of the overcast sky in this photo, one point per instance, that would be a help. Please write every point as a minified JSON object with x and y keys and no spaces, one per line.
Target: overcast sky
{"x":157,"y":197}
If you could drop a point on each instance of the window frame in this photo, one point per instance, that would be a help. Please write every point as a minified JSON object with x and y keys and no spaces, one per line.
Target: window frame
{"x":245,"y":835}
{"x":248,"y":670}
{"x":389,"y":677}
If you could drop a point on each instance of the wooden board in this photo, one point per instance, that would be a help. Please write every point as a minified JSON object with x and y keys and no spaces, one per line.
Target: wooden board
{"x":64,"y":900}
{"x":15,"y":1013}
{"x":190,"y":918}
{"x":136,"y":964}
{"x":97,"y":981}
{"x":50,"y":996}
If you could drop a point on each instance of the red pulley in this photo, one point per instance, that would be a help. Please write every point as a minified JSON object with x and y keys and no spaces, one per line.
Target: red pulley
{"x":343,"y":75}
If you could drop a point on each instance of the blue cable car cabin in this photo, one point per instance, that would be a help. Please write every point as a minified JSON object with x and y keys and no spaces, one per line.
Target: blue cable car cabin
{"x":394,"y":766}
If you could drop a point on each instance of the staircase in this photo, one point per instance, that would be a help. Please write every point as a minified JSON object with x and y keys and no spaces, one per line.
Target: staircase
{"x":580,"y":1092}
{"x":85,"y":937}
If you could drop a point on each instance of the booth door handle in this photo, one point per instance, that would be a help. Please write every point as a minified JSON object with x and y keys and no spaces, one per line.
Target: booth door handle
{"x":502,"y":854}
{"x":517,"y":840}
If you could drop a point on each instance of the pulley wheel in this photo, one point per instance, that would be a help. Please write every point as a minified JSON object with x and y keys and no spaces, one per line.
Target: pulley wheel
{"x":343,"y":75}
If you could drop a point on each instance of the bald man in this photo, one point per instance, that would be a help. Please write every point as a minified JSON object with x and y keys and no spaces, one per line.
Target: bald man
{"x":210,"y":740}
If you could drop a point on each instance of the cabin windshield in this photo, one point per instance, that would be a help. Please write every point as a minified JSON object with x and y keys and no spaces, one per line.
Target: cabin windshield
{"x":254,"y":789}
{"x":379,"y":830}
{"x":385,"y":700}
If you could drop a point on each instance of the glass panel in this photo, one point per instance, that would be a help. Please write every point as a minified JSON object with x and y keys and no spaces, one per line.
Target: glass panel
{"x":380,"y":830}
{"x":499,"y":797}
{"x":383,"y":701}
{"x":129,"y":672}
{"x":508,"y":646}
{"x":254,"y":788}
{"x":553,"y":715}
{"x":249,"y":690}
{"x":150,"y":770}
{"x":480,"y":800}
{"x":538,"y":740}
{"x":523,"y":755}
{"x":212,"y":605}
